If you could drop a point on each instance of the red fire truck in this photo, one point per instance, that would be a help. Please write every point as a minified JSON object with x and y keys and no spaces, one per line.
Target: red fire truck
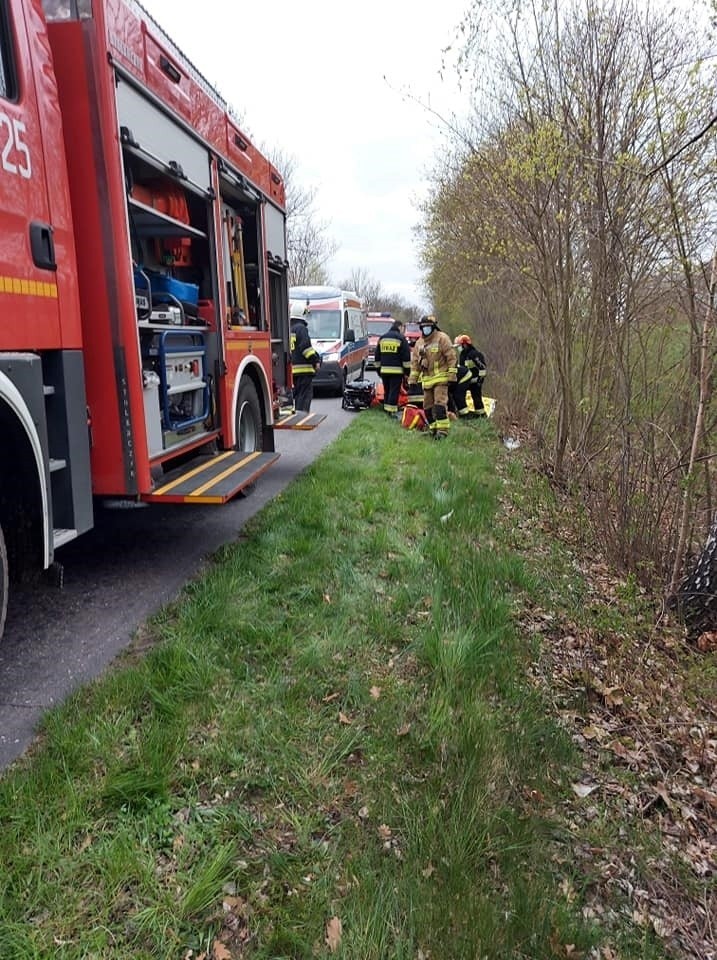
{"x":143,"y":279}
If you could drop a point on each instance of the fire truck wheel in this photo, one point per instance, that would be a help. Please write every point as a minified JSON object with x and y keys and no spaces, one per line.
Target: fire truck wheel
{"x":248,"y":418}
{"x":3,"y":582}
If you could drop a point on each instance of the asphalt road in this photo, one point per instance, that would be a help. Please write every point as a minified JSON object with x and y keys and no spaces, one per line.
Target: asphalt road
{"x":132,"y":563}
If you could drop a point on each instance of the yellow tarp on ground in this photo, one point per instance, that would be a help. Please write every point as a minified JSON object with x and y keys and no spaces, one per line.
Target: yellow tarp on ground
{"x":488,"y":404}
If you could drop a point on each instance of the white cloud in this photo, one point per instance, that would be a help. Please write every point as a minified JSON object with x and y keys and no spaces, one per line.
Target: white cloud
{"x":339,"y":91}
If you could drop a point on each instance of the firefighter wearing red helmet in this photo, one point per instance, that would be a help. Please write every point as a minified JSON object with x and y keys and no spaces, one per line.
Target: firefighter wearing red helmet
{"x":433,"y":365}
{"x":472,"y":370}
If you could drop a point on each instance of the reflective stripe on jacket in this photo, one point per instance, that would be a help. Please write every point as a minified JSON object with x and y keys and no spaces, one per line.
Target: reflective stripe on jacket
{"x":304,"y":358}
{"x":393,"y":354}
{"x":474,"y":360}
{"x":433,"y":360}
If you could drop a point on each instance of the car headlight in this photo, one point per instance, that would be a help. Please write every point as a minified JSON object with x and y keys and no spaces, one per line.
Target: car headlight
{"x":330,"y":357}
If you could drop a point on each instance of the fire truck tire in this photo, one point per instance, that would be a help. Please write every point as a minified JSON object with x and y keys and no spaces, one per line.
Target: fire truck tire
{"x":248,"y":418}
{"x":3,"y":582}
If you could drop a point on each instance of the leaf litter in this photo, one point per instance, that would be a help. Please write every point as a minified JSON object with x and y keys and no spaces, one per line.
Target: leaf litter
{"x":647,"y":735}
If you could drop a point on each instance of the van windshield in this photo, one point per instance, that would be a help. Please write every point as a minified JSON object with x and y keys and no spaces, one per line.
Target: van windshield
{"x":324,"y":324}
{"x":377,"y":328}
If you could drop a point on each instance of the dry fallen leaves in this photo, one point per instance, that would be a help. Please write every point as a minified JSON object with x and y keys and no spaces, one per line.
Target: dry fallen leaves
{"x":350,"y":788}
{"x":220,"y":951}
{"x":334,"y":931}
{"x":707,"y":641}
{"x":648,"y":737}
{"x":375,"y":692}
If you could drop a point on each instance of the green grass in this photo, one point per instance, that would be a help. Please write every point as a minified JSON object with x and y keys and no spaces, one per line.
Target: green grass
{"x":333,"y":721}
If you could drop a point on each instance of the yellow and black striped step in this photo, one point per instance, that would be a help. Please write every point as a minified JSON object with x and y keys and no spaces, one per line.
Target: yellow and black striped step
{"x":299,"y":421}
{"x":214,"y":479}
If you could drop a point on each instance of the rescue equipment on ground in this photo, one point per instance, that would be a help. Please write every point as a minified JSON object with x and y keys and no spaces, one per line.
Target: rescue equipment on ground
{"x":379,"y":394}
{"x":358,"y":395}
{"x":414,"y":418}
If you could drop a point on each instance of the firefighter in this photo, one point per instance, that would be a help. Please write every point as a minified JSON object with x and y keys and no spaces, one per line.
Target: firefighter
{"x":474,"y":361}
{"x":393,"y":362}
{"x":458,"y":391}
{"x":433,"y":364}
{"x":305,"y":361}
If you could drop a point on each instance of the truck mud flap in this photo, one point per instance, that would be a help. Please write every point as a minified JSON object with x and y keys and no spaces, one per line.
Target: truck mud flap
{"x":214,"y":480}
{"x":299,"y":421}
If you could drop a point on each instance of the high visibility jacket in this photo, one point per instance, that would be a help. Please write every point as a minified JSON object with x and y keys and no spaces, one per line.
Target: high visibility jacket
{"x":474,"y":360}
{"x":304,"y":358}
{"x":433,"y":360}
{"x":393,"y":354}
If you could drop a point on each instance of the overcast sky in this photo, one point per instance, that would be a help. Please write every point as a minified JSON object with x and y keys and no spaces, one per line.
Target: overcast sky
{"x":307,"y":77}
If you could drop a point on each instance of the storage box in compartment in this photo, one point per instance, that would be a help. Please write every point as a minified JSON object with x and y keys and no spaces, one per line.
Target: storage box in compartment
{"x":142,"y":294}
{"x":161,"y":283}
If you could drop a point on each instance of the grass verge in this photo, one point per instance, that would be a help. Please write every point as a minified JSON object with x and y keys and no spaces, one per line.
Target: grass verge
{"x":329,"y":747}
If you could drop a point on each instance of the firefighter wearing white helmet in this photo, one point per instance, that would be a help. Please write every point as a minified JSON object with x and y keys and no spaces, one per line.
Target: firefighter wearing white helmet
{"x":305,"y":361}
{"x":433,"y":365}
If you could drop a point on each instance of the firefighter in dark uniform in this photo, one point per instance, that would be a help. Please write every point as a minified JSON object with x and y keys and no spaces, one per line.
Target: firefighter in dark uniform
{"x":458,"y":392}
{"x":305,"y":361}
{"x":474,"y":362}
{"x":393,"y":362}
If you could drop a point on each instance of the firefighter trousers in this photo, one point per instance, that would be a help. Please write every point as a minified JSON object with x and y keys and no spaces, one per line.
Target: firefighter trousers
{"x":391,"y":389}
{"x":476,"y":390}
{"x":303,"y":391}
{"x":435,"y":403}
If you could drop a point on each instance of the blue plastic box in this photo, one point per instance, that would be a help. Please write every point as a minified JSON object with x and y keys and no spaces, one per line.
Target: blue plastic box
{"x":188,"y":292}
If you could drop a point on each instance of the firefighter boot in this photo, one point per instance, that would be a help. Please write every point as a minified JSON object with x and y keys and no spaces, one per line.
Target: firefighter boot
{"x":441,"y":421}
{"x":431,"y":422}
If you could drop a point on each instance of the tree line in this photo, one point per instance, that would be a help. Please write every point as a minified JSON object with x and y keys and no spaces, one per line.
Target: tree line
{"x":574,"y":222}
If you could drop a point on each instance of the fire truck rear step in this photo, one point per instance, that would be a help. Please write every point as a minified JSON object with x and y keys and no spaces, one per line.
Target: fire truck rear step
{"x":299,"y":421}
{"x":214,"y":479}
